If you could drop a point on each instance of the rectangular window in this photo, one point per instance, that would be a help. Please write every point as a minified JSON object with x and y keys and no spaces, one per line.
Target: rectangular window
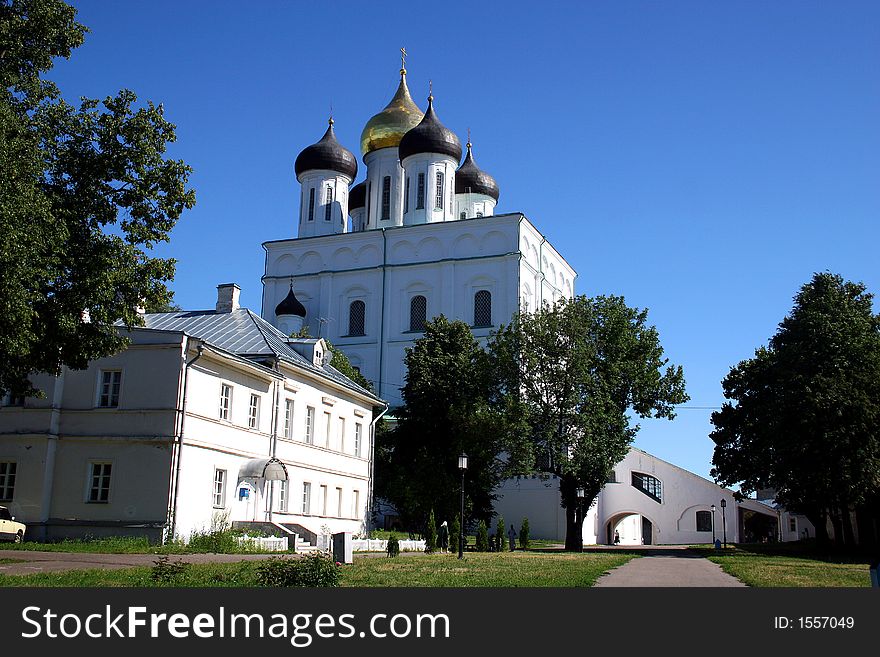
{"x":386,"y":197}
{"x":369,"y":200}
{"x":254,"y":412}
{"x":463,"y":215}
{"x":338,"y":502}
{"x":406,"y":196}
{"x":312,"y":204}
{"x":99,"y":482}
{"x":327,"y":419}
{"x":355,"y":504}
{"x":420,"y":192}
{"x":225,"y":401}
{"x":328,"y":203}
{"x":438,"y":197}
{"x":310,"y":425}
{"x":7,"y":480}
{"x":792,"y":524}
{"x":307,"y":498}
{"x":219,"y":488}
{"x":323,"y":500}
{"x":282,"y":496}
{"x":342,"y":434}
{"x":358,"y":434}
{"x":288,"y":418}
{"x":108,"y":395}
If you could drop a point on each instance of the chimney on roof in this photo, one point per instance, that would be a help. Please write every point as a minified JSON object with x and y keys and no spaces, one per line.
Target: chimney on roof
{"x":227,"y":297}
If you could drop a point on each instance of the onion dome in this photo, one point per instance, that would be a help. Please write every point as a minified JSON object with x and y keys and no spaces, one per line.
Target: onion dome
{"x":357,"y":197}
{"x":327,"y":154}
{"x":386,"y":128}
{"x":470,"y":179}
{"x":430,"y":136}
{"x":290,"y":305}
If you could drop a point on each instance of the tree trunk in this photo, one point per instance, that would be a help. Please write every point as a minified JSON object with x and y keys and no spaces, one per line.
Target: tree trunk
{"x":574,"y":541}
{"x":837,"y":525}
{"x":848,"y":535}
{"x":818,"y":518}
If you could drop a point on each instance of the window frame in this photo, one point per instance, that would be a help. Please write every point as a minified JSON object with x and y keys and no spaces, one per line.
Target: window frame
{"x":406,"y":186}
{"x":225,"y":413}
{"x":420,"y":191}
{"x":362,"y":316}
{"x":220,"y":492}
{"x":254,"y":412}
{"x":8,"y":471}
{"x":113,"y":397}
{"x":104,"y":484}
{"x":649,"y":485}
{"x":283,"y":495}
{"x":417,"y":323}
{"x":385,"y":206}
{"x":309,"y":437}
{"x":439,"y":194}
{"x":288,"y":418}
{"x":328,"y":203}
{"x":481,"y":294}
{"x":307,"y":498}
{"x":358,"y":437}
{"x":706,"y":516}
{"x":311,"y":213}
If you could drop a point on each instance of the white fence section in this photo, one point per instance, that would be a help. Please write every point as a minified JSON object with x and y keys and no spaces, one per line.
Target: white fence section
{"x":376,"y":545}
{"x":265,"y":543}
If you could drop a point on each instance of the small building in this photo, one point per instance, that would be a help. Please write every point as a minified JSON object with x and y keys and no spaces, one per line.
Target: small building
{"x":649,"y":501}
{"x":208,"y":418}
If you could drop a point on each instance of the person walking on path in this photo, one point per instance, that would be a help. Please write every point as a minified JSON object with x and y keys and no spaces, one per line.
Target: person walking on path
{"x":511,"y":536}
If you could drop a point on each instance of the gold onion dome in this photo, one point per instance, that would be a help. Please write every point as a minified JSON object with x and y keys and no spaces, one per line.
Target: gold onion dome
{"x":386,"y":128}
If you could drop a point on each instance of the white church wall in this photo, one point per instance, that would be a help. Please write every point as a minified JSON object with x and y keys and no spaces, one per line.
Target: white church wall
{"x":380,"y":163}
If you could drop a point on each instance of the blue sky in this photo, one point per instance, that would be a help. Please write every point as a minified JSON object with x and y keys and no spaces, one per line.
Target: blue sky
{"x":701,"y":159}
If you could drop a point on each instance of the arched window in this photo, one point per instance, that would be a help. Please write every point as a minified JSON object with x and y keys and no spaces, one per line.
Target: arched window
{"x":420,"y":192}
{"x":463,"y":215}
{"x":649,"y":485}
{"x":357,"y":312}
{"x":438,"y":200}
{"x":328,"y":206}
{"x":386,"y":198}
{"x":704,"y":521}
{"x":406,"y":196}
{"x":483,"y":308}
{"x":418,"y":311}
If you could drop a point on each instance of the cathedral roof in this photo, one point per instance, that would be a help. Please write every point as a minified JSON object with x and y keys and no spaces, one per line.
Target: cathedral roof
{"x":385,"y":129}
{"x":357,"y":197}
{"x":471,"y":179}
{"x":290,"y":305}
{"x":430,"y":136}
{"x":327,"y":153}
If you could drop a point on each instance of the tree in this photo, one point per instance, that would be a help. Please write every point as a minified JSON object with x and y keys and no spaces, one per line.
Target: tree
{"x":803,"y":414}
{"x":524,"y":534}
{"x":86,"y":194}
{"x":572,"y":372}
{"x":446,"y":411}
{"x":431,"y":533}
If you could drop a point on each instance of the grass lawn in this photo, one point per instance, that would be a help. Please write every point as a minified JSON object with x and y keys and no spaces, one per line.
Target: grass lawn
{"x":514,"y":569}
{"x":789,"y":565}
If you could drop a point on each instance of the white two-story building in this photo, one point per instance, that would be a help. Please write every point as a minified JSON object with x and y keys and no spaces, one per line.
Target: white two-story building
{"x":207,"y":418}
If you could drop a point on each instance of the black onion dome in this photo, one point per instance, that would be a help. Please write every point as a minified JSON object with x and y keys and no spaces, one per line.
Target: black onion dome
{"x":357,"y":197}
{"x":430,"y":136}
{"x":327,"y":154}
{"x":471,"y":179}
{"x":290,"y":305}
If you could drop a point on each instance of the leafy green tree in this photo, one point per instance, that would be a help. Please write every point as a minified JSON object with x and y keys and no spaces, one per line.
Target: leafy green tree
{"x":446,"y":411}
{"x":85,"y":194}
{"x":804,"y":413}
{"x":500,"y":533}
{"x":572,"y":372}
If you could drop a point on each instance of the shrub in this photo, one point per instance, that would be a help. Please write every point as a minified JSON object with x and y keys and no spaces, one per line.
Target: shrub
{"x":500,"y":534}
{"x":315,"y":570}
{"x":524,"y":534}
{"x":431,"y":533}
{"x":165,"y":571}
{"x":221,"y":541}
{"x":393,"y":547}
{"x":482,"y":537}
{"x":454,"y":533}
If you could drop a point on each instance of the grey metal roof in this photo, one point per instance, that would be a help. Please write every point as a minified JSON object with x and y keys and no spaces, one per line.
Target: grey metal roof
{"x":245,"y":334}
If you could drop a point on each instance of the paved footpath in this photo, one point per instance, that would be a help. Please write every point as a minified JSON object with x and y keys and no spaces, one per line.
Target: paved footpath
{"x":673,"y":567}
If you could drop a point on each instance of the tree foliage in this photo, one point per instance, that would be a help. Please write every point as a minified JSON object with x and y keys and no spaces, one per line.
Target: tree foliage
{"x":572,"y":373}
{"x":803,"y":414}
{"x":86,"y":192}
{"x":446,"y":411}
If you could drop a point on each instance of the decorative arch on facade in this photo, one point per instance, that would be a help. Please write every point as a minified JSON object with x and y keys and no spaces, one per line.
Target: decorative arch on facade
{"x":310,"y":262}
{"x":342,"y":259}
{"x":283,"y":264}
{"x":367,"y":255}
{"x":403,"y":251}
{"x":430,"y":248}
{"x":465,"y":246}
{"x":494,"y":242}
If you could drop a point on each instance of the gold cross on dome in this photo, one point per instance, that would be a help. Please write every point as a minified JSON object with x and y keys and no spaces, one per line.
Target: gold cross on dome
{"x":403,"y":58}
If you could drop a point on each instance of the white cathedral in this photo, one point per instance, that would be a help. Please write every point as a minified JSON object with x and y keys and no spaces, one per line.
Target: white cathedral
{"x":419,"y":237}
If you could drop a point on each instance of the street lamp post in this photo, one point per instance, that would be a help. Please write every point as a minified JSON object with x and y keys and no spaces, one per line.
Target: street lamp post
{"x":724,"y":521}
{"x":462,"y":465}
{"x":579,"y":491}
{"x":713,"y":525}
